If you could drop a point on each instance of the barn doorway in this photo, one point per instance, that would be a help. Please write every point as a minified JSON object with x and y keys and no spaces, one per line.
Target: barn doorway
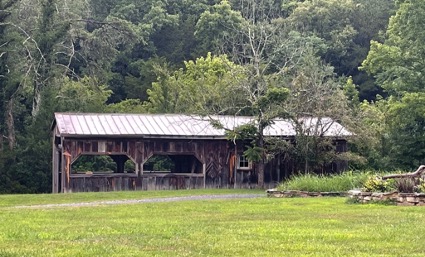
{"x":102,"y":164}
{"x":162,"y":163}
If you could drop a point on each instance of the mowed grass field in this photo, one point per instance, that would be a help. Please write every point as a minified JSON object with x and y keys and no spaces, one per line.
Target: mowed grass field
{"x":216,"y":227}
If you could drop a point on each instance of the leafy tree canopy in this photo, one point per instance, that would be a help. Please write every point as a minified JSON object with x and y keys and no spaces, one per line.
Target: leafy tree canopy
{"x":398,"y":62}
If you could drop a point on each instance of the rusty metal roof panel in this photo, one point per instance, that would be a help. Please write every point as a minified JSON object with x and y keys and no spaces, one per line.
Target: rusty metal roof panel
{"x":176,"y":125}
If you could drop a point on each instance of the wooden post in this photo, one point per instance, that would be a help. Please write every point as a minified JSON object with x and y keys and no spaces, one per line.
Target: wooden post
{"x":62,"y":168}
{"x":67,"y":170}
{"x":55,"y":171}
{"x":139,"y":179}
{"x":54,"y":166}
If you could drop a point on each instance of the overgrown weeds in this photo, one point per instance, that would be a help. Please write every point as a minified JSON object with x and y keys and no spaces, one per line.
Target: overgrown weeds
{"x":365,"y":180}
{"x":322,"y":183}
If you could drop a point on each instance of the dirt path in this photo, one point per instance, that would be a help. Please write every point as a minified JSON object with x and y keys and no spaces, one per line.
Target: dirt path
{"x":146,"y":200}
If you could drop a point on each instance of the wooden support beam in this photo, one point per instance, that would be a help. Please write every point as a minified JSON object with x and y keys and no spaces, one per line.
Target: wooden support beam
{"x":204,"y":172}
{"x":55,"y":170}
{"x":62,"y":168}
{"x":67,"y":175}
{"x":54,"y":166}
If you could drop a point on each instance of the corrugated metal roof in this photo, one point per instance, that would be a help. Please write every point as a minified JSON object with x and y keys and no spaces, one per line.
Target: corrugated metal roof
{"x":177,"y":125}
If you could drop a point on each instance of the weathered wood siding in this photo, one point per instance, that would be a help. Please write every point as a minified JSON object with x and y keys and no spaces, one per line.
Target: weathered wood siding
{"x":126,"y":182}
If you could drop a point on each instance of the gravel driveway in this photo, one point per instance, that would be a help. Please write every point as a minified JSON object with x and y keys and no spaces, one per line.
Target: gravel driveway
{"x":146,"y":200}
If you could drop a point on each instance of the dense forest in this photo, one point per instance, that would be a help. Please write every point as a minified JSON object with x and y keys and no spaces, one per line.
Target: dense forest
{"x":357,"y":61}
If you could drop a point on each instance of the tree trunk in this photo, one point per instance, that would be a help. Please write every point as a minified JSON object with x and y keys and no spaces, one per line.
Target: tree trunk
{"x":36,"y":101}
{"x":260,"y":182}
{"x":10,"y":125}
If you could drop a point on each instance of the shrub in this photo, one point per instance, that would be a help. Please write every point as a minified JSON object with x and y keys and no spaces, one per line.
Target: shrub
{"x":377,"y":184}
{"x":421,"y":186}
{"x":405,"y":185}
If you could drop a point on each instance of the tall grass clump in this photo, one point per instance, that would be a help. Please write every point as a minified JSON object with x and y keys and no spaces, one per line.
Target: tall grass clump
{"x":325,"y":183}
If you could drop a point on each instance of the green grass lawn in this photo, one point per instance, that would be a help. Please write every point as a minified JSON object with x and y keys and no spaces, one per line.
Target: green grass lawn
{"x":236,"y":227}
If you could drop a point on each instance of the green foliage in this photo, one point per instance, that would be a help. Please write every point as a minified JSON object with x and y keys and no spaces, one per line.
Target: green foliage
{"x":405,"y":185}
{"x":319,"y":16}
{"x":373,"y":144}
{"x":406,"y":130}
{"x":216,"y":23}
{"x":421,"y":186}
{"x":347,"y":41}
{"x":243,"y":132}
{"x":85,"y":95}
{"x":395,"y":137}
{"x":254,"y":153}
{"x":397,"y":65}
{"x":273,"y":97}
{"x":397,"y":62}
{"x":319,"y":183}
{"x":205,"y":86}
{"x":94,"y":163}
{"x":377,"y":184}
{"x":126,"y":106}
{"x":351,"y":92}
{"x":159,"y":163}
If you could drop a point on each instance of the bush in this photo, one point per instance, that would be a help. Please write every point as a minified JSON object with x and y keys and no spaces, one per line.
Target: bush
{"x":319,"y":183}
{"x":377,"y":184}
{"x":421,"y":187}
{"x":405,"y":185}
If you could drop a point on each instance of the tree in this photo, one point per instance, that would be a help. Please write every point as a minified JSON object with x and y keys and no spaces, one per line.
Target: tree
{"x":7,"y":86}
{"x":398,"y":131}
{"x":7,"y":130}
{"x":254,"y":38}
{"x":406,"y":131}
{"x":204,"y":86}
{"x":398,"y":67}
{"x":347,"y":40}
{"x":117,"y":43}
{"x":84,"y":95}
{"x":49,"y":33}
{"x":397,"y":63}
{"x":317,"y":100}
{"x":318,"y":17}
{"x":217,"y":24}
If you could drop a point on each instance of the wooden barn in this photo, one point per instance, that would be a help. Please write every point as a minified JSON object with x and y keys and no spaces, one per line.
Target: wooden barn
{"x":200,"y":154}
